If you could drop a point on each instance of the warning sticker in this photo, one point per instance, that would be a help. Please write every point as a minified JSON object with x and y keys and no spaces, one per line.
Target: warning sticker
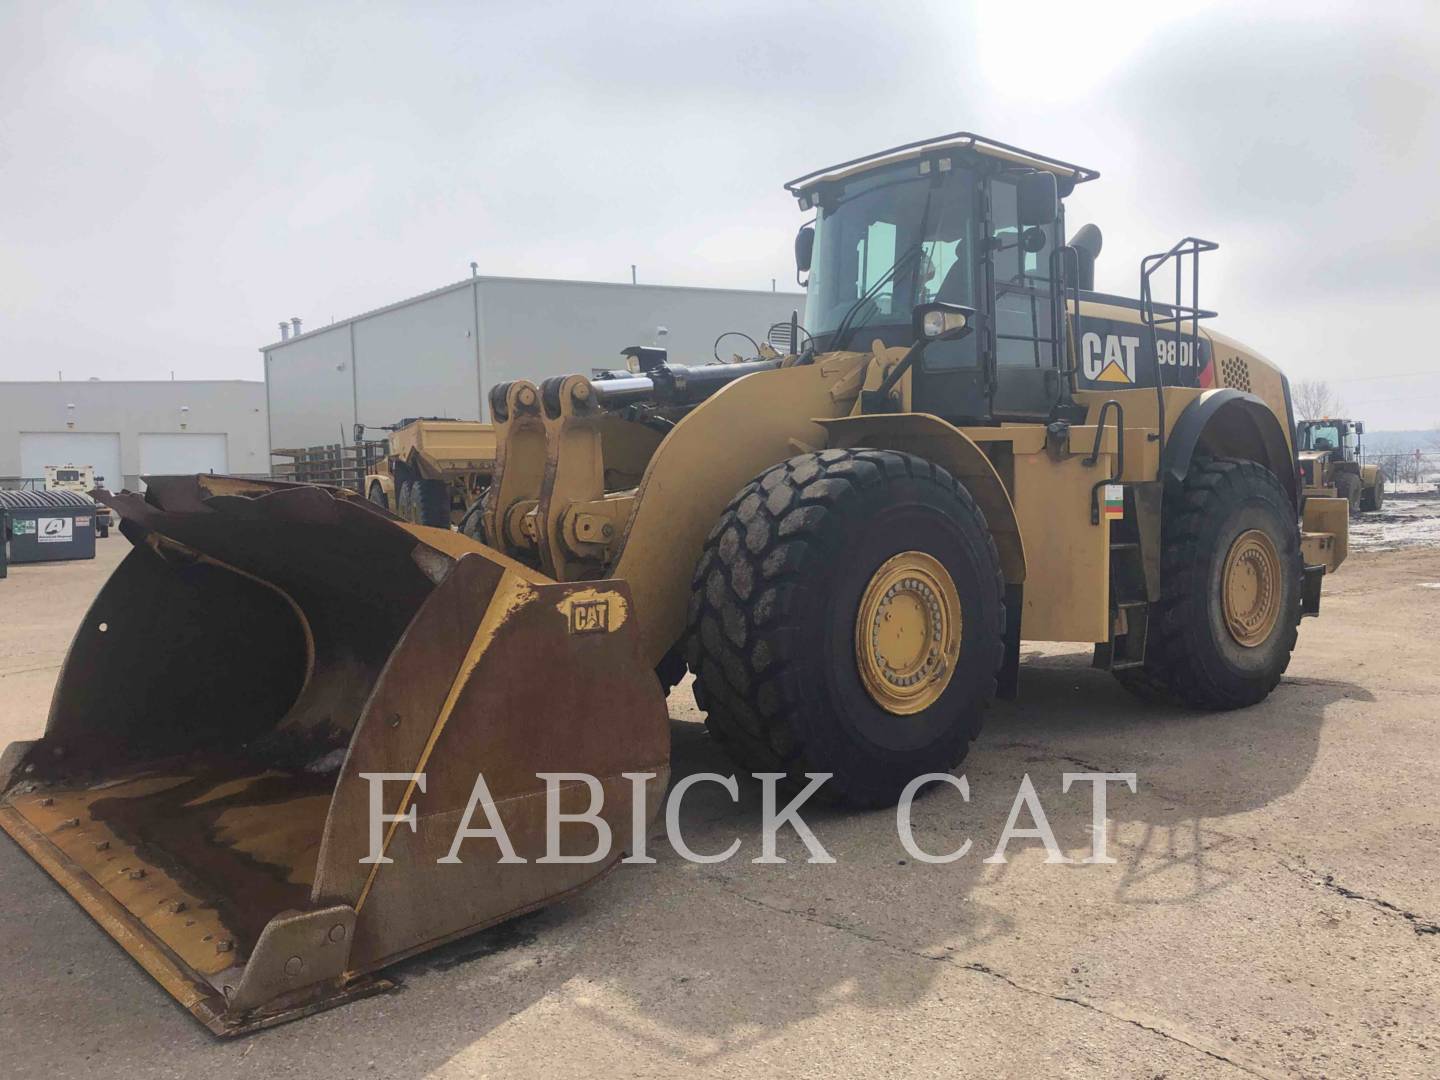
{"x":59,"y":530}
{"x":1114,"y":501}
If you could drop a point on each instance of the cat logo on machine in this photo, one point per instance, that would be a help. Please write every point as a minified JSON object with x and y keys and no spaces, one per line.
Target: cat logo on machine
{"x":1118,"y":354}
{"x":1110,"y":359}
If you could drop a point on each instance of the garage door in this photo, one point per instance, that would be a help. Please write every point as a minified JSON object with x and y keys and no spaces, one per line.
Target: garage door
{"x":98,"y":449}
{"x":175,"y":453}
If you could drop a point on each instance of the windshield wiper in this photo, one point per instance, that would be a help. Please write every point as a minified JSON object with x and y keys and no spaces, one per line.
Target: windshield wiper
{"x":842,"y":332}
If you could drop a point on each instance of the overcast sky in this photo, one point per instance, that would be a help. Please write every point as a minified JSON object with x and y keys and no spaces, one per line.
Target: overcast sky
{"x":174,"y":179}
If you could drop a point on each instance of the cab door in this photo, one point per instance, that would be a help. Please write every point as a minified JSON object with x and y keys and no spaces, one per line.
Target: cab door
{"x":952,"y":379}
{"x":1025,"y":341}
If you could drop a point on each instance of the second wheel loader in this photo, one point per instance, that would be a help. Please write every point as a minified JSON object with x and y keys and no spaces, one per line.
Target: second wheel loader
{"x":1332,"y":464}
{"x":845,"y":544}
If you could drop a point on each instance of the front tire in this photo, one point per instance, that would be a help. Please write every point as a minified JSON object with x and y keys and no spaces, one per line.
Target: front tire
{"x":377,"y":495}
{"x":847,"y":617}
{"x":1223,"y":630}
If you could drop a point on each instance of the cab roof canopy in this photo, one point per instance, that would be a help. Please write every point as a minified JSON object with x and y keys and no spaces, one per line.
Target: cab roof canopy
{"x":964,"y":142}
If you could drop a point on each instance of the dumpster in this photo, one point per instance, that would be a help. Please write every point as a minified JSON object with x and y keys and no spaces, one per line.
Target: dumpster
{"x":48,"y":526}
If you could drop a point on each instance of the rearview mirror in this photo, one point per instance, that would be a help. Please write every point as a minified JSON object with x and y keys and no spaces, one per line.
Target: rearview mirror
{"x":942,"y":322}
{"x":804,"y":248}
{"x":1037,"y":199}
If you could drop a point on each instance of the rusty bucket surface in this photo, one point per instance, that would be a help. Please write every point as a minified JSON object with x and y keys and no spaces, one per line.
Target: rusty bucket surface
{"x":199,"y":789}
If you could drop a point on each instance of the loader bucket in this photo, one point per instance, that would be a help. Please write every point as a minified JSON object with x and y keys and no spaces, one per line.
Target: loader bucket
{"x":201,"y":788}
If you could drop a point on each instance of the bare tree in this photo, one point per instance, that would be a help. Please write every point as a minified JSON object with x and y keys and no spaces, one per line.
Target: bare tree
{"x":1314,"y":400}
{"x":1399,"y":467}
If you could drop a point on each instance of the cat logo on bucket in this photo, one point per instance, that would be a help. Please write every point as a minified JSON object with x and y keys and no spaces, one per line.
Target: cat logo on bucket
{"x":590,"y":617}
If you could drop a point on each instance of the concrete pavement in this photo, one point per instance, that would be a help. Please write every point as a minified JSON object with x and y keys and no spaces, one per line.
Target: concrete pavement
{"x":1273,"y":910}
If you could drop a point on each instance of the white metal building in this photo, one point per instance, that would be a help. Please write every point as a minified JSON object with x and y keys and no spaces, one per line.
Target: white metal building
{"x":439,"y":354}
{"x":128,"y":429}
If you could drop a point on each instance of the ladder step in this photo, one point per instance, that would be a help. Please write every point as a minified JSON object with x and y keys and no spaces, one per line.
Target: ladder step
{"x":1125,"y":665}
{"x":1124,"y":545}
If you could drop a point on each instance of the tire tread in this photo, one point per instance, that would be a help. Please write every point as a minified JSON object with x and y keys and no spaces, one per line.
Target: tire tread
{"x":742,"y":626}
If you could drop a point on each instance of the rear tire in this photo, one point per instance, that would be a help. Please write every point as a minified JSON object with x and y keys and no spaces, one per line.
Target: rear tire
{"x":432,"y":503}
{"x":1373,"y":498}
{"x":776,"y":598}
{"x":405,"y":499}
{"x":1221,"y":521}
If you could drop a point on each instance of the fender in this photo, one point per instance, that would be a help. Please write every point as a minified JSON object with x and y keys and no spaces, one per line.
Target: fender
{"x":386,"y":482}
{"x":424,"y":466}
{"x":1236,"y":423}
{"x":944,"y":444}
{"x":697,"y":469}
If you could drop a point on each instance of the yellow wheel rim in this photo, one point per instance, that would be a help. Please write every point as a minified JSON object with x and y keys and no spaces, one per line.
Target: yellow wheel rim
{"x":1250,"y":588}
{"x":907,"y":633}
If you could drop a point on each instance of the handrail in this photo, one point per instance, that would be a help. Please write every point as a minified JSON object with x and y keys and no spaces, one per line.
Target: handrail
{"x":1194,"y":247}
{"x":1067,"y":291}
{"x":1091,"y":458}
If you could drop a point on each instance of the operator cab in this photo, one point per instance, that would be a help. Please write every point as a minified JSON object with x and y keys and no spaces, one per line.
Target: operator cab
{"x":1341,"y":437}
{"x":960,"y":224}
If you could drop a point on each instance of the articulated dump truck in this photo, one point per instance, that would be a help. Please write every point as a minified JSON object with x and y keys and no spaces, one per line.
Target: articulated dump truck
{"x":260,"y":770}
{"x":436,"y":472}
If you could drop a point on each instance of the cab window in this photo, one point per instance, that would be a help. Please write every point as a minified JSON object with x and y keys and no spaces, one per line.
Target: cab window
{"x":874,"y":256}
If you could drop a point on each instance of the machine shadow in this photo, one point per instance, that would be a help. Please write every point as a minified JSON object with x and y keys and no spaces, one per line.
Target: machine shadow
{"x":875,"y":928}
{"x":882,"y":928}
{"x":1197,"y":773}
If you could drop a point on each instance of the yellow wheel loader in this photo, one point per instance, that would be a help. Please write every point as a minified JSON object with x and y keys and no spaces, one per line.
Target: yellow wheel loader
{"x":265,"y":755}
{"x":1332,"y":464}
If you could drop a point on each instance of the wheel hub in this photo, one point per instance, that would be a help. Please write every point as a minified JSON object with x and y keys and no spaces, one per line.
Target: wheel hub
{"x":1250,"y":588}
{"x":907,"y":633}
